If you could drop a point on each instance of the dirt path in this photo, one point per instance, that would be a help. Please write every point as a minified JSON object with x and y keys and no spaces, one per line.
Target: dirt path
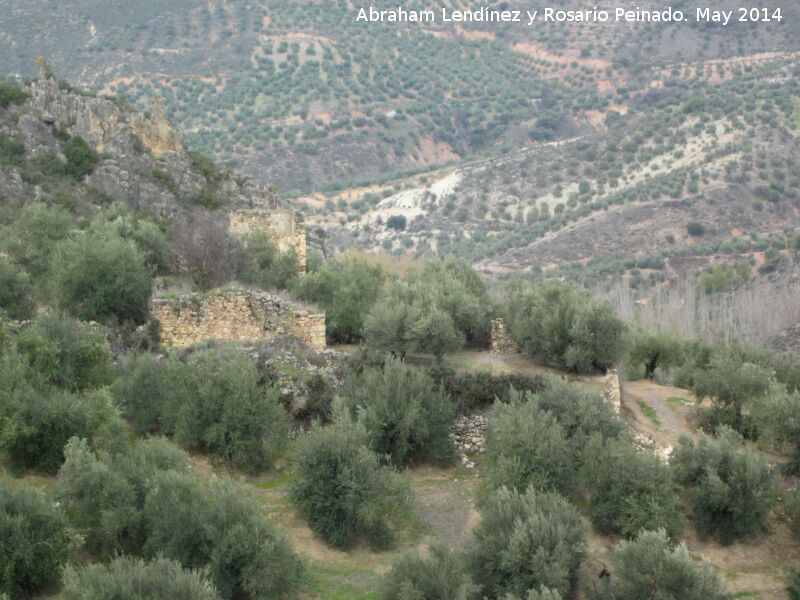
{"x":657,"y":410}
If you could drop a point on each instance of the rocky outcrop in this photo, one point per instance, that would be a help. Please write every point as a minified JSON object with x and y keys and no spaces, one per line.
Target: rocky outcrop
{"x":302,"y":375}
{"x":647,"y":443}
{"x":143,"y":160}
{"x":102,"y":122}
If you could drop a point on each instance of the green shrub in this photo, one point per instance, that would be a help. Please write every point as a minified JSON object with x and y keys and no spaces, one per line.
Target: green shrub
{"x":434,"y":309}
{"x":36,"y":426}
{"x":142,"y":499}
{"x":581,"y":413}
{"x":541,"y":593}
{"x":11,"y":93}
{"x":102,"y":278}
{"x":230,"y":413}
{"x":697,"y":355}
{"x":793,"y":584}
{"x":346,"y":290}
{"x":441,"y":575}
{"x":12,"y":150}
{"x":214,"y":402}
{"x":525,"y":445}
{"x":473,"y":390}
{"x":66,"y":352}
{"x":16,"y":292}
{"x":31,"y":238}
{"x":652,"y":350}
{"x":526,"y":540}
{"x":397,"y":326}
{"x":793,"y":510}
{"x":397,"y":222}
{"x":565,"y":326}
{"x":266,"y":266}
{"x":208,"y":199}
{"x":37,"y":541}
{"x":407,"y":418}
{"x":629,"y":490}
{"x":723,"y":278}
{"x":787,"y":369}
{"x":224,"y":529}
{"x":104,"y":491}
{"x":43,"y":167}
{"x":81,"y":159}
{"x":457,"y":289}
{"x":38,"y":420}
{"x":730,"y":384}
{"x":151,"y":392}
{"x":651,"y":567}
{"x":730,"y":486}
{"x":695,"y":229}
{"x":165,"y":180}
{"x":340,"y":487}
{"x":127,"y":578}
{"x":207,"y":168}
{"x":777,"y":416}
{"x":146,"y":234}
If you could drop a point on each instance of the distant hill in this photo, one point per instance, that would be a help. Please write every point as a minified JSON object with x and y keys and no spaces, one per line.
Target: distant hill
{"x":302,"y":96}
{"x":569,"y":150}
{"x":689,"y":172}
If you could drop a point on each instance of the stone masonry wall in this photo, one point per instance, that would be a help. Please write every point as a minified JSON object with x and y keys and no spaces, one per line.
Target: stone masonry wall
{"x":612,"y":390}
{"x":280,"y":223}
{"x":501,"y":341}
{"x":235,"y":315}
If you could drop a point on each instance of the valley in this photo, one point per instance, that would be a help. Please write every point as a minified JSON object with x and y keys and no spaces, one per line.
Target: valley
{"x":319,"y":301}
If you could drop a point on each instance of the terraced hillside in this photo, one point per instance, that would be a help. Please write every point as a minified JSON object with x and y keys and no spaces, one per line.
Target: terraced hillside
{"x":685,"y":173}
{"x":301,"y":95}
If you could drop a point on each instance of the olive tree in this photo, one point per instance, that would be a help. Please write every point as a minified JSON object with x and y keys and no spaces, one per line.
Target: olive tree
{"x":525,"y":540}
{"x":650,"y":566}
{"x":36,"y":540}
{"x":102,"y":277}
{"x":730,"y":486}
{"x":565,"y":326}
{"x":136,"y":579}
{"x":341,"y":488}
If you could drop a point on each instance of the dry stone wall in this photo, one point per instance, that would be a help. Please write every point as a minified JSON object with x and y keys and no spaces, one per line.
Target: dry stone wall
{"x":235,"y":315}
{"x":280,"y":223}
{"x":501,"y":341}
{"x":612,"y":390}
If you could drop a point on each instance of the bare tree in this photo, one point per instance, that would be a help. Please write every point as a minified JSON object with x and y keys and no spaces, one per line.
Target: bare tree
{"x":203,"y":249}
{"x":755,"y":312}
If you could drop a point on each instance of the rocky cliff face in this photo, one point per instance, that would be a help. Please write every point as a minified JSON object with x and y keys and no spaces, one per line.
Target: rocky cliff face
{"x":142,"y":158}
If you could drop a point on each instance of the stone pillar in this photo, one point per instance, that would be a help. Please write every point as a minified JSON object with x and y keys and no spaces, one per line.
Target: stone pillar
{"x":612,"y":390}
{"x":501,"y":341}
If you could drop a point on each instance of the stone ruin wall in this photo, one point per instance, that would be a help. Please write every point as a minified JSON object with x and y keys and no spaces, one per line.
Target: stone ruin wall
{"x":612,"y":390}
{"x":280,"y":223}
{"x":501,"y":341}
{"x":237,"y":316}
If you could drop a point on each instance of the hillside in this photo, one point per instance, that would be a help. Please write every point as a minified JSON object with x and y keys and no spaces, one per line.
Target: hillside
{"x":82,"y":151}
{"x":302,"y":96}
{"x":685,"y":173}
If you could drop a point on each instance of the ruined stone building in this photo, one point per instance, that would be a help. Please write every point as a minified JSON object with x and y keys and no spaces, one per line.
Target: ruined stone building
{"x":236,"y":315}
